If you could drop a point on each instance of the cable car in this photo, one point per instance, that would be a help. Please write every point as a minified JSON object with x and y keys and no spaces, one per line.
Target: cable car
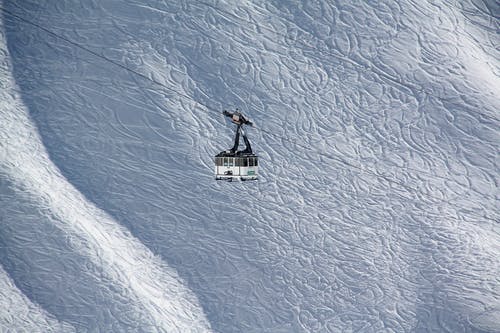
{"x":233,"y":164}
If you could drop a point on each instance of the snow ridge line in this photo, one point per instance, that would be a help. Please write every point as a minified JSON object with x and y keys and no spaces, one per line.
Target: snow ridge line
{"x":168,"y":303}
{"x":20,"y":314}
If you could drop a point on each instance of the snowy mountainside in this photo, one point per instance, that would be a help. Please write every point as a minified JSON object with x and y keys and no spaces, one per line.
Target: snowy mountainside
{"x":377,"y":129}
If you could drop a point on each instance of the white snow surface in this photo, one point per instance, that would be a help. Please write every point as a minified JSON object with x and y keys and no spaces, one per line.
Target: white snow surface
{"x":117,"y":256}
{"x":19,"y":314}
{"x":378,"y":135}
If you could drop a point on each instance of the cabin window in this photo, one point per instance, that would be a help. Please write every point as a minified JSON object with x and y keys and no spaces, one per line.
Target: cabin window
{"x":252,"y":161}
{"x":226,"y":161}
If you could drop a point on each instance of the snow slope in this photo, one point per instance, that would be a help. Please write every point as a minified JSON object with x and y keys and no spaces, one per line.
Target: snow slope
{"x":378,"y":132}
{"x":108,"y":250}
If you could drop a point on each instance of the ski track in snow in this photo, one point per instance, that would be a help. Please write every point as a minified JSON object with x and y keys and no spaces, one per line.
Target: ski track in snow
{"x":20,"y":315}
{"x":155,"y":293}
{"x":390,"y":221}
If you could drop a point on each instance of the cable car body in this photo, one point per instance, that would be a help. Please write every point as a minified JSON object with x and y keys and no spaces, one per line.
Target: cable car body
{"x":233,"y":164}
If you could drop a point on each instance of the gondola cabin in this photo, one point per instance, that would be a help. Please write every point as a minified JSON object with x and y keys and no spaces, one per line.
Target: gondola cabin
{"x":236,"y":166}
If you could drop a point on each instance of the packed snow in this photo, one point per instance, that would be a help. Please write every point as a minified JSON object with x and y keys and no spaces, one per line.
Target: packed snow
{"x":377,"y":129}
